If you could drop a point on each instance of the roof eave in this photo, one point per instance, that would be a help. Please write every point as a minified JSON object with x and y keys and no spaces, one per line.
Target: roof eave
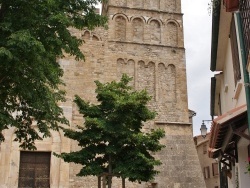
{"x":215,"y":35}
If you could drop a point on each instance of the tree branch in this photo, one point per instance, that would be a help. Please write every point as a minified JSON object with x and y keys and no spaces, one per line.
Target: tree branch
{"x":1,"y":80}
{"x":3,"y":8}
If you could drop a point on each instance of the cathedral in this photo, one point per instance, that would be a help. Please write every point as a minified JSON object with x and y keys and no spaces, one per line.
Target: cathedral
{"x":144,"y":39}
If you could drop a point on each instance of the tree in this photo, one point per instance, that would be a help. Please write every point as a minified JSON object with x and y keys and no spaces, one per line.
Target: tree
{"x":112,"y":140}
{"x":33,"y":35}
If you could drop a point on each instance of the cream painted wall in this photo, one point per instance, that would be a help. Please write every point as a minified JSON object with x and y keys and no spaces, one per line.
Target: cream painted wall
{"x":227,"y":98}
{"x":228,"y":102}
{"x":205,"y":160}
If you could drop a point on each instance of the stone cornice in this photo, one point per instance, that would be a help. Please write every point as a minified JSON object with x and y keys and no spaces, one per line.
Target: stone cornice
{"x":172,"y":123}
{"x":143,"y":9}
{"x":147,"y":44}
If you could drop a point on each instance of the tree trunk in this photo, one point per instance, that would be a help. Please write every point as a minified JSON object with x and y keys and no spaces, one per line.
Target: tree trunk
{"x":3,"y":9}
{"x":110,"y":172}
{"x":99,"y":182}
{"x":123,"y":182}
{"x":104,"y":181}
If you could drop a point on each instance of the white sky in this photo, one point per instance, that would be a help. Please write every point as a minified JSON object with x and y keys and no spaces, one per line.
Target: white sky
{"x":197,"y":40}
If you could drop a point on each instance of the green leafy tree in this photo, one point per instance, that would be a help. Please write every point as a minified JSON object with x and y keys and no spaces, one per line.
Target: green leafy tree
{"x":33,"y":35}
{"x":112,"y":140}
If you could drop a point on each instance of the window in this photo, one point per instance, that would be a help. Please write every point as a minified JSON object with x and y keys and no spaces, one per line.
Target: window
{"x":204,"y":148}
{"x":34,"y":170}
{"x":206,"y":172}
{"x":235,"y":52}
{"x":215,"y":169}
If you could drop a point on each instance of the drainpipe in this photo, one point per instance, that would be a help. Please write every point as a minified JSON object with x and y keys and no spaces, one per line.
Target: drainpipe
{"x":244,"y":65}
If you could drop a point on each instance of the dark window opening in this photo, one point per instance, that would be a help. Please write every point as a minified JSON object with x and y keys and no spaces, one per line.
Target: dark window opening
{"x":215,"y":169}
{"x":204,"y":148}
{"x":206,"y":172}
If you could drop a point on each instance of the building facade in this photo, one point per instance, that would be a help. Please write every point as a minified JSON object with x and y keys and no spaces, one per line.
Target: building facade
{"x":209,"y":166}
{"x":229,"y":142}
{"x":144,"y":39}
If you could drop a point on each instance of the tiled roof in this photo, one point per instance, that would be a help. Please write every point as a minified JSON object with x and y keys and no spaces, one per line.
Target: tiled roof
{"x":220,"y":126}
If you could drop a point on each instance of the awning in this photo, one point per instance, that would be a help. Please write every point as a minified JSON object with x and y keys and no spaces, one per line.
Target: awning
{"x":233,"y":119}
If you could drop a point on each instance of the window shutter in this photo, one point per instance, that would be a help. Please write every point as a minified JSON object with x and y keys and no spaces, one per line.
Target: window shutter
{"x":235,"y":52}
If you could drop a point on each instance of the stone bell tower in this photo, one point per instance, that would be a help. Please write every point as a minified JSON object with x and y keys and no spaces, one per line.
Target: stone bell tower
{"x":144,"y":39}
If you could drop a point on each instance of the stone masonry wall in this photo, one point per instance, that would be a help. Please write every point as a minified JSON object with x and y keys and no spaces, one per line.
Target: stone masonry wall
{"x":145,"y":40}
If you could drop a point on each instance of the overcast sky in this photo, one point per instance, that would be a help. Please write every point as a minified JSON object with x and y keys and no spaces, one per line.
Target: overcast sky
{"x":197,"y":38}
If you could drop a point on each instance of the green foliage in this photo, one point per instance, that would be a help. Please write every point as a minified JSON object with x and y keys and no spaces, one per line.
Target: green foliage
{"x":248,"y":168}
{"x":33,"y":34}
{"x":112,"y":140}
{"x":213,"y":6}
